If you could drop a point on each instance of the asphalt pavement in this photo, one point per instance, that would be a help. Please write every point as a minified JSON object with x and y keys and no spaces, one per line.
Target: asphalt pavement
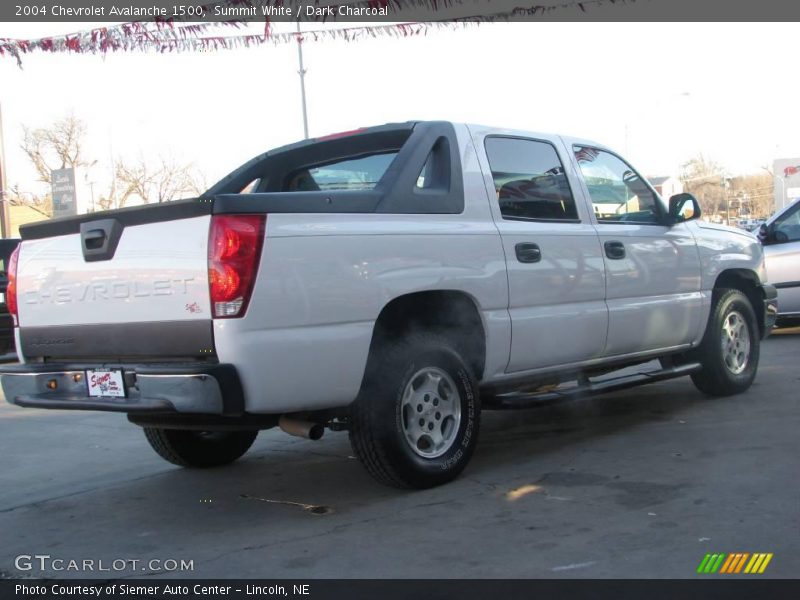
{"x":641,"y":483}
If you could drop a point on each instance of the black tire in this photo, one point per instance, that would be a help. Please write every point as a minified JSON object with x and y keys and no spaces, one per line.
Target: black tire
{"x":199,"y":449}
{"x":717,"y":377}
{"x":379,"y":423}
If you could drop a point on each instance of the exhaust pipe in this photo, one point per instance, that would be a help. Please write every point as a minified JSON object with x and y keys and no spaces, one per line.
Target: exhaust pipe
{"x":305,"y":429}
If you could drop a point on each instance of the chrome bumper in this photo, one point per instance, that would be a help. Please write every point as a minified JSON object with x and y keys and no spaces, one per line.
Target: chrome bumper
{"x":191,"y":389}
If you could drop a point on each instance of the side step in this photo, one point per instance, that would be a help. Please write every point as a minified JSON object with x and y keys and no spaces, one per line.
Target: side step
{"x":517,"y":400}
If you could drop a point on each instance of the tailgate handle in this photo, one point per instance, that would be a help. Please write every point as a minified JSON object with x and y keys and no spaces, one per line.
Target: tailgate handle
{"x":99,"y":239}
{"x":94,"y":239}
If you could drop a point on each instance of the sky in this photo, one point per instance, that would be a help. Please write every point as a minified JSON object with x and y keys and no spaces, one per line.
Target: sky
{"x":660,"y":93}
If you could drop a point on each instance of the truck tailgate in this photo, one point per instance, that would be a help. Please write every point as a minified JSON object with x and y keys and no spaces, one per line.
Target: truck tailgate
{"x":150,"y":298}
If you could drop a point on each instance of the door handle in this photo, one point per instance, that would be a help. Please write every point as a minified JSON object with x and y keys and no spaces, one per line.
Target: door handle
{"x":528,"y":252}
{"x":614,"y":250}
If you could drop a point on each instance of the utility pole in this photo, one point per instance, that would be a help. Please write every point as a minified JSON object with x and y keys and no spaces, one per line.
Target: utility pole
{"x":783,"y":191}
{"x":302,"y":73}
{"x":4,"y":224}
{"x":725,"y":186}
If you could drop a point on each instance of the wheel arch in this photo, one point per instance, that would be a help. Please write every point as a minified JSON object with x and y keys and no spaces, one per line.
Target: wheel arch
{"x":453,"y":313}
{"x":747,"y":282}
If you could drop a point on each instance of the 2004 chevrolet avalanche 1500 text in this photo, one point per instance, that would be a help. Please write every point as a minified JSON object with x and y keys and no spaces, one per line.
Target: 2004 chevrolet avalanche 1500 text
{"x":391,"y":282}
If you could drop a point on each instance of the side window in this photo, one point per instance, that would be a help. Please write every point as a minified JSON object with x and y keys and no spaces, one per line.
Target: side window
{"x":617,"y":192}
{"x":787,"y":227}
{"x":529,"y":180}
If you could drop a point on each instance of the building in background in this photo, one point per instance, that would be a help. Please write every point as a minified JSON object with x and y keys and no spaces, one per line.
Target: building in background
{"x":666,"y":186}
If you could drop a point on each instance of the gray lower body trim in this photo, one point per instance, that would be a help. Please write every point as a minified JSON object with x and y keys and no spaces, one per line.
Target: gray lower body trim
{"x":115,"y":341}
{"x":522,"y":377}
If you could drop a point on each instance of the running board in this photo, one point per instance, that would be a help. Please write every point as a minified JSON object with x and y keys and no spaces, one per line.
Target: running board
{"x":516,"y":400}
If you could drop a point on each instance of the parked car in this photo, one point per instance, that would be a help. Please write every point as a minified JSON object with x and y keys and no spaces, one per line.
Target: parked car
{"x":781,"y":238}
{"x":7,"y":349}
{"x":391,"y":282}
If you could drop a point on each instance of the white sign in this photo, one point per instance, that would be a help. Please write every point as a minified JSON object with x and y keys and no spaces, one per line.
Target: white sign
{"x":63,"y":184}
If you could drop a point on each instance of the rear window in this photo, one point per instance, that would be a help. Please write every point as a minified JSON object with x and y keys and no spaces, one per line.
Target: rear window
{"x":361,"y":173}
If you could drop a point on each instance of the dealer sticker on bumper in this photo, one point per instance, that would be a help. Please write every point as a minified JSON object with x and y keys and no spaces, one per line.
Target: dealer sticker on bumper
{"x":105,"y":383}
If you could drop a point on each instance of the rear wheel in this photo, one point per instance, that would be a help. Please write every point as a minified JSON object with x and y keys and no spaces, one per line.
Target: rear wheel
{"x":200,"y":449}
{"x":730,"y":348}
{"x":415,"y":422}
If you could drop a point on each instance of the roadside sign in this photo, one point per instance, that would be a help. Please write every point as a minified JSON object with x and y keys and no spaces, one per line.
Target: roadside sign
{"x":63,"y":189}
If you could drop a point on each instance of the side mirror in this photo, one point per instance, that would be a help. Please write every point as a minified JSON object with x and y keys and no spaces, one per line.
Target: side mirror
{"x":683,"y":207}
{"x":763,"y":234}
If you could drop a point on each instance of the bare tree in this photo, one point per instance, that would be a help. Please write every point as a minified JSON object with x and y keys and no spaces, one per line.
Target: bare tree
{"x":109,"y":200}
{"x":752,"y":195}
{"x":163,"y":182}
{"x":174,"y":181}
{"x":134,"y":180}
{"x":62,"y":145}
{"x":727,"y":197}
{"x":705,"y":178}
{"x":59,"y":146}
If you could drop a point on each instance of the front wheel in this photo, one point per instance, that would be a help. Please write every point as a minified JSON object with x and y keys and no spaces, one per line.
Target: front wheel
{"x":415,"y":422}
{"x":730,"y":348}
{"x":199,"y":449}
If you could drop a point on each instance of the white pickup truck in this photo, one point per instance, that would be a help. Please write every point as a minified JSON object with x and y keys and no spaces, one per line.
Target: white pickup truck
{"x":391,"y":282}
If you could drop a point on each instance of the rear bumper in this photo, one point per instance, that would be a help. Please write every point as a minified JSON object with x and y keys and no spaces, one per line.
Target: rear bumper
{"x":150,"y":389}
{"x":770,"y":307}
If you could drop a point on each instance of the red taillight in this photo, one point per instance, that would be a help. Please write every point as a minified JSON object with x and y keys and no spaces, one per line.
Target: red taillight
{"x":234,"y":249}
{"x":11,"y":289}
